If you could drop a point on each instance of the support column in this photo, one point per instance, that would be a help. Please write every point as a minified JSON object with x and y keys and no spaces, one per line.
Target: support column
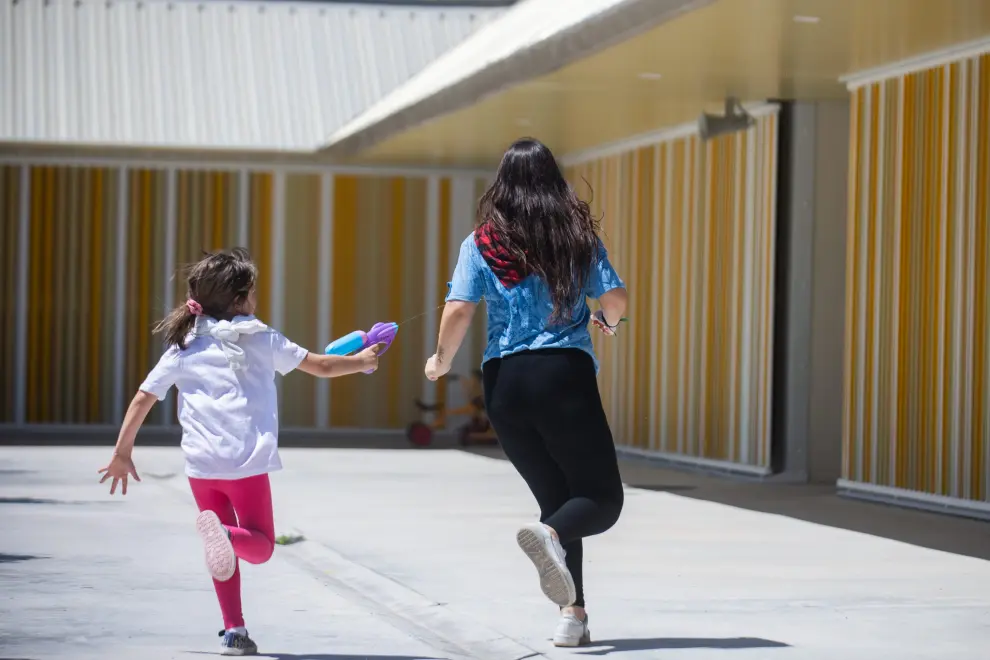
{"x":21,"y":316}
{"x":432,"y":250}
{"x":324,"y":321}
{"x":810,"y":280}
{"x":169,"y":267}
{"x":278,"y":258}
{"x":120,"y":298}
{"x":462,"y":204}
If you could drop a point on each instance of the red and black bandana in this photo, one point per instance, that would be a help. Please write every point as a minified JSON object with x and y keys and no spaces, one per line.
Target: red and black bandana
{"x":509,"y":270}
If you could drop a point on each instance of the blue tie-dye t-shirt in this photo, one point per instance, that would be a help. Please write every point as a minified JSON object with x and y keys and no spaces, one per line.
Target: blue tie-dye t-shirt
{"x":519,"y":317}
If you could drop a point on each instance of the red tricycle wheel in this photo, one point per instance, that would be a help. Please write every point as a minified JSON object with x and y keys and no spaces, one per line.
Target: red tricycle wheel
{"x":419,"y":434}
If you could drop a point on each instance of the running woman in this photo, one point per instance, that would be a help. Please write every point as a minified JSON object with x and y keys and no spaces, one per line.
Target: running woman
{"x":536,"y":257}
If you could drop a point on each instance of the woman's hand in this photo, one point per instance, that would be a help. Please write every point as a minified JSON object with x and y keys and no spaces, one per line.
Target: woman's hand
{"x":119,"y":468}
{"x":598,"y":320}
{"x":436,"y":368}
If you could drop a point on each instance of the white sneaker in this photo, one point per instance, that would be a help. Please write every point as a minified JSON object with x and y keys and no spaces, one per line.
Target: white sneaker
{"x":548,"y":556}
{"x":220,"y":558}
{"x":572,"y":632}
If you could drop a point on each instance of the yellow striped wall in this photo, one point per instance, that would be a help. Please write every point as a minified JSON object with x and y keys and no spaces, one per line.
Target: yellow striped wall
{"x":88,"y":348}
{"x":917,"y":413}
{"x":690,"y":226}
{"x":9,"y":235}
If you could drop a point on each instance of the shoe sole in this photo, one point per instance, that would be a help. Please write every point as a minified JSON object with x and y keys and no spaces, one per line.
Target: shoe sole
{"x":238,"y":652}
{"x":557,"y":584}
{"x":221,"y":561}
{"x":584,"y":641}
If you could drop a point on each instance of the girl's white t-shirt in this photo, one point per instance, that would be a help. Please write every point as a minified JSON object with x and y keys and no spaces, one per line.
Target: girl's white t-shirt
{"x":229,"y":416}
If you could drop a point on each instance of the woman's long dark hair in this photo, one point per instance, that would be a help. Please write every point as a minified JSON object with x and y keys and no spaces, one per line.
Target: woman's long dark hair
{"x":540,"y":220}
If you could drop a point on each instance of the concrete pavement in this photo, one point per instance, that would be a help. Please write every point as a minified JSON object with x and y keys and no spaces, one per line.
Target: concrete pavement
{"x":411,"y":554}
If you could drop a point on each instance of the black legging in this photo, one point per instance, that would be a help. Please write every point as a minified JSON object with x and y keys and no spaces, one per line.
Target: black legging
{"x":546,"y":410}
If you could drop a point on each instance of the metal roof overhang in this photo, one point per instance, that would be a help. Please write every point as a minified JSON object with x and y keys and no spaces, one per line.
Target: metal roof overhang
{"x":532,"y":39}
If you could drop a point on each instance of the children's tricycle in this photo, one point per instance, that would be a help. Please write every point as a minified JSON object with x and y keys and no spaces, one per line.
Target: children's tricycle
{"x":477,"y":431}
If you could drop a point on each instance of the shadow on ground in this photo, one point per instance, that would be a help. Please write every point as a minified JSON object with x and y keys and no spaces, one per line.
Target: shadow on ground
{"x":331,"y":656}
{"x":36,"y":500}
{"x":324,"y":656}
{"x":682,"y":643}
{"x":13,"y":559}
{"x":814,"y":503}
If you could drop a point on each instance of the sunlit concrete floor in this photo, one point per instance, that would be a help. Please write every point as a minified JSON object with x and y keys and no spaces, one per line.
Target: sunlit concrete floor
{"x":411,"y":554}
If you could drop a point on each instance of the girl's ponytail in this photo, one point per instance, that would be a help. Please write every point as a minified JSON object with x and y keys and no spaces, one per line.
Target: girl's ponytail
{"x":217,"y":286}
{"x":177,"y":326}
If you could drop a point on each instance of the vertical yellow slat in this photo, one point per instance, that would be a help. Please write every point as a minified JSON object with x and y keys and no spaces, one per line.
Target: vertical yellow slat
{"x":712,"y":312}
{"x":978,"y":485}
{"x":262,"y":248}
{"x":34,"y":288}
{"x":624,"y":216}
{"x":872,"y":304}
{"x":671,"y":251}
{"x":952,"y":320}
{"x":738,"y":277}
{"x":57,"y":300}
{"x":219,"y":212}
{"x":47,"y":285}
{"x":9,"y":222}
{"x":345,"y":215}
{"x":144,"y":250}
{"x":82,"y":275}
{"x":727,"y":297}
{"x":938,"y":310}
{"x":132,"y":282}
{"x":689,"y":288}
{"x":710,"y":215}
{"x":74,"y":314}
{"x":852,"y":227}
{"x":443,"y":270}
{"x":726,"y":166}
{"x":96,"y":294}
{"x":926,"y":317}
{"x":182,"y":230}
{"x":643,"y":368}
{"x":766,"y":348}
{"x":967,"y":134}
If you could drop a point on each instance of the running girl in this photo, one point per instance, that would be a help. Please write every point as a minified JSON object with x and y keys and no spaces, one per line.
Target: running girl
{"x":222,"y":360}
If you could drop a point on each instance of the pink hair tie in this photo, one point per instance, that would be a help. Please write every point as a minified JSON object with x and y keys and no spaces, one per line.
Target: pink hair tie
{"x":194,"y":307}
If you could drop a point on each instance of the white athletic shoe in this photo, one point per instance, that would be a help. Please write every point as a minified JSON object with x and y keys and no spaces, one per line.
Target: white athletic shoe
{"x":548,"y":556}
{"x":220,"y":558}
{"x":571,"y":632}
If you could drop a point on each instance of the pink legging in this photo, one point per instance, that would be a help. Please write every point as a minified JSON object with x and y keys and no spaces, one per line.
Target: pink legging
{"x":244,"y":506}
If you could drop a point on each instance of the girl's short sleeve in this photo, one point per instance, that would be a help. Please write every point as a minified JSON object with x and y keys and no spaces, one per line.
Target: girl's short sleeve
{"x":286,"y":354}
{"x":467,"y":283}
{"x":163,"y":376}
{"x":603,"y":275}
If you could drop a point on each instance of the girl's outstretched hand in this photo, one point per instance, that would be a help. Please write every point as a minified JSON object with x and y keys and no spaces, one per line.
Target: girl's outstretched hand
{"x":119,"y":469}
{"x":598,"y":320}
{"x":369,"y":357}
